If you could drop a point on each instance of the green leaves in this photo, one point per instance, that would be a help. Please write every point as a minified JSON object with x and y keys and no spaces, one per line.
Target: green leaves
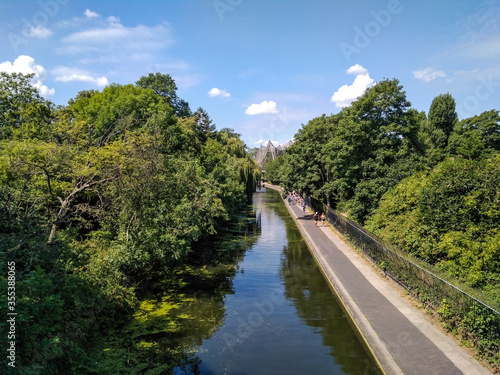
{"x":350,"y":159}
{"x":442,"y":119}
{"x":101,"y":197}
{"x":476,"y":137}
{"x":21,"y":106}
{"x":427,"y":185}
{"x":448,"y":217}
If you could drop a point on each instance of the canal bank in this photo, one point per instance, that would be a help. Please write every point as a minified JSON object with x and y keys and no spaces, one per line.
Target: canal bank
{"x":250,"y":301}
{"x":399,"y":336}
{"x":278,"y":315}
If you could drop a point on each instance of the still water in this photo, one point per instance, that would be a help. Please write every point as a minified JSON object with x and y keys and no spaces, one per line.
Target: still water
{"x":279,"y":316}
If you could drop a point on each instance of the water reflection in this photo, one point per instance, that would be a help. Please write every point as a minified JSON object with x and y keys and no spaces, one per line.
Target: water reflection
{"x":283,"y":318}
{"x":183,"y":310}
{"x":254,"y":302}
{"x":306,"y":287}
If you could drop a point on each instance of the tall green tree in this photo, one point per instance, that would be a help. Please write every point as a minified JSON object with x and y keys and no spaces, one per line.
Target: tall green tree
{"x":164,"y":86}
{"x":204,"y":127}
{"x":23,"y":111}
{"x":441,"y":121}
{"x":307,"y":161}
{"x":374,"y":146}
{"x":442,"y":114}
{"x":476,"y":137}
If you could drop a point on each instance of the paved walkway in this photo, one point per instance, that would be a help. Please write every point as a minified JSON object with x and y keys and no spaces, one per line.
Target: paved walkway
{"x":400,"y":338}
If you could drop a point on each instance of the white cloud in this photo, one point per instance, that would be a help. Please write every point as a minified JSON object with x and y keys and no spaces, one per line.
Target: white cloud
{"x":217,"y":92}
{"x":357,"y":69}
{"x":89,"y":14}
{"x":66,"y":74}
{"x":39,"y":32}
{"x":122,"y":52}
{"x":346,"y":94}
{"x":113,"y":20}
{"x":26,"y":65}
{"x":428,"y":74}
{"x":259,"y":142}
{"x":112,"y":38}
{"x":44,"y":90}
{"x":263,"y":107}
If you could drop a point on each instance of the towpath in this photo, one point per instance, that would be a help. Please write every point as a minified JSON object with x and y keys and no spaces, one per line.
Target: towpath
{"x":399,"y":336}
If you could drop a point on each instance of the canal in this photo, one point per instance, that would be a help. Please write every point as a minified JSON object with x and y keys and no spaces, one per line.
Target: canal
{"x":250,"y":301}
{"x":282,"y":317}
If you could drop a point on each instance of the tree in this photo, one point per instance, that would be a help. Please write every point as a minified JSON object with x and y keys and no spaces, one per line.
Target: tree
{"x":204,"y":128}
{"x":106,"y":196}
{"x":441,"y":121}
{"x":163,"y":85}
{"x":307,"y":159}
{"x":99,"y":118}
{"x":476,"y":137}
{"x":448,"y":217}
{"x":349,"y":160}
{"x":22,"y":106}
{"x":374,"y":146}
{"x":229,"y":132}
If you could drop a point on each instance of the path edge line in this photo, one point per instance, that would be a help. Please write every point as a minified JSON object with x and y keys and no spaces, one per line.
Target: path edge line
{"x":372,"y":341}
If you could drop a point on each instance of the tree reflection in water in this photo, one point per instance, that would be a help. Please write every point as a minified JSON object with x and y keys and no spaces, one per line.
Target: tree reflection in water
{"x":182,"y":311}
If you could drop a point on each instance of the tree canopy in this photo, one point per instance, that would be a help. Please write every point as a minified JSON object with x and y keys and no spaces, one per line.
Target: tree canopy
{"x":101,"y":198}
{"x":428,"y":184}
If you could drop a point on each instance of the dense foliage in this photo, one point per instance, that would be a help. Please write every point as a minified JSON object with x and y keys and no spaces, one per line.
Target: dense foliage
{"x":350,"y":159}
{"x":100,"y":198}
{"x":428,"y":184}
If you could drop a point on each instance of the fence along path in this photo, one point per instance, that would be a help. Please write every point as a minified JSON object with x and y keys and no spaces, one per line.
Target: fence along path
{"x":400,"y":338}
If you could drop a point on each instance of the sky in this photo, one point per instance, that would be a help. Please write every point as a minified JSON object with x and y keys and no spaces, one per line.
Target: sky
{"x":261,"y":67}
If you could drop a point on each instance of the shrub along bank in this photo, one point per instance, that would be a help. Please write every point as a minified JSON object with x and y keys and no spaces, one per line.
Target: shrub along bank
{"x":98,"y":200}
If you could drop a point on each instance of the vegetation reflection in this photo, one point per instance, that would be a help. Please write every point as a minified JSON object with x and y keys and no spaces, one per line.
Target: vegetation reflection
{"x":182,"y":311}
{"x":316,"y":305}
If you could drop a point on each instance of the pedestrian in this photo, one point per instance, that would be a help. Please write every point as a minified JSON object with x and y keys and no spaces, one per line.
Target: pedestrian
{"x":323,"y":218}
{"x":304,"y":207}
{"x":315,"y":217}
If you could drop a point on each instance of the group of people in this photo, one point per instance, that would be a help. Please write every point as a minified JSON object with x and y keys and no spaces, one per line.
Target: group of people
{"x":317,"y":217}
{"x":296,"y":198}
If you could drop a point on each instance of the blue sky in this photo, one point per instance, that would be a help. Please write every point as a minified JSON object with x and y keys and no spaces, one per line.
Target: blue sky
{"x":261,"y":67}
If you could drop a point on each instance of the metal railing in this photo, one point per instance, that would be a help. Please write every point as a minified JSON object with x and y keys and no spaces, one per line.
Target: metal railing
{"x":464,"y":312}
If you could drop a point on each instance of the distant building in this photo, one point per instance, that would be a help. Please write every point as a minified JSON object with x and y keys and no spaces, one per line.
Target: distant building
{"x":269,"y":152}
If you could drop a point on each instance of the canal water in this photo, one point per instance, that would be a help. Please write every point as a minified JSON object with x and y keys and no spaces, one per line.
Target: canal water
{"x":279,"y":316}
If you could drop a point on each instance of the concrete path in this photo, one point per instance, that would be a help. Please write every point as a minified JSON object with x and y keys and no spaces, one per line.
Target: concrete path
{"x":401,"y":339}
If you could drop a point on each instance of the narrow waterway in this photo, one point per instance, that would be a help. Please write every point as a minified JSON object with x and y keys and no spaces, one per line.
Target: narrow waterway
{"x":280,"y":317}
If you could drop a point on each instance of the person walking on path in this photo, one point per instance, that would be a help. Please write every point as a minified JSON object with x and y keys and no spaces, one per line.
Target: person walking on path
{"x":323,"y":218}
{"x":316,"y":217}
{"x":304,"y":207}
